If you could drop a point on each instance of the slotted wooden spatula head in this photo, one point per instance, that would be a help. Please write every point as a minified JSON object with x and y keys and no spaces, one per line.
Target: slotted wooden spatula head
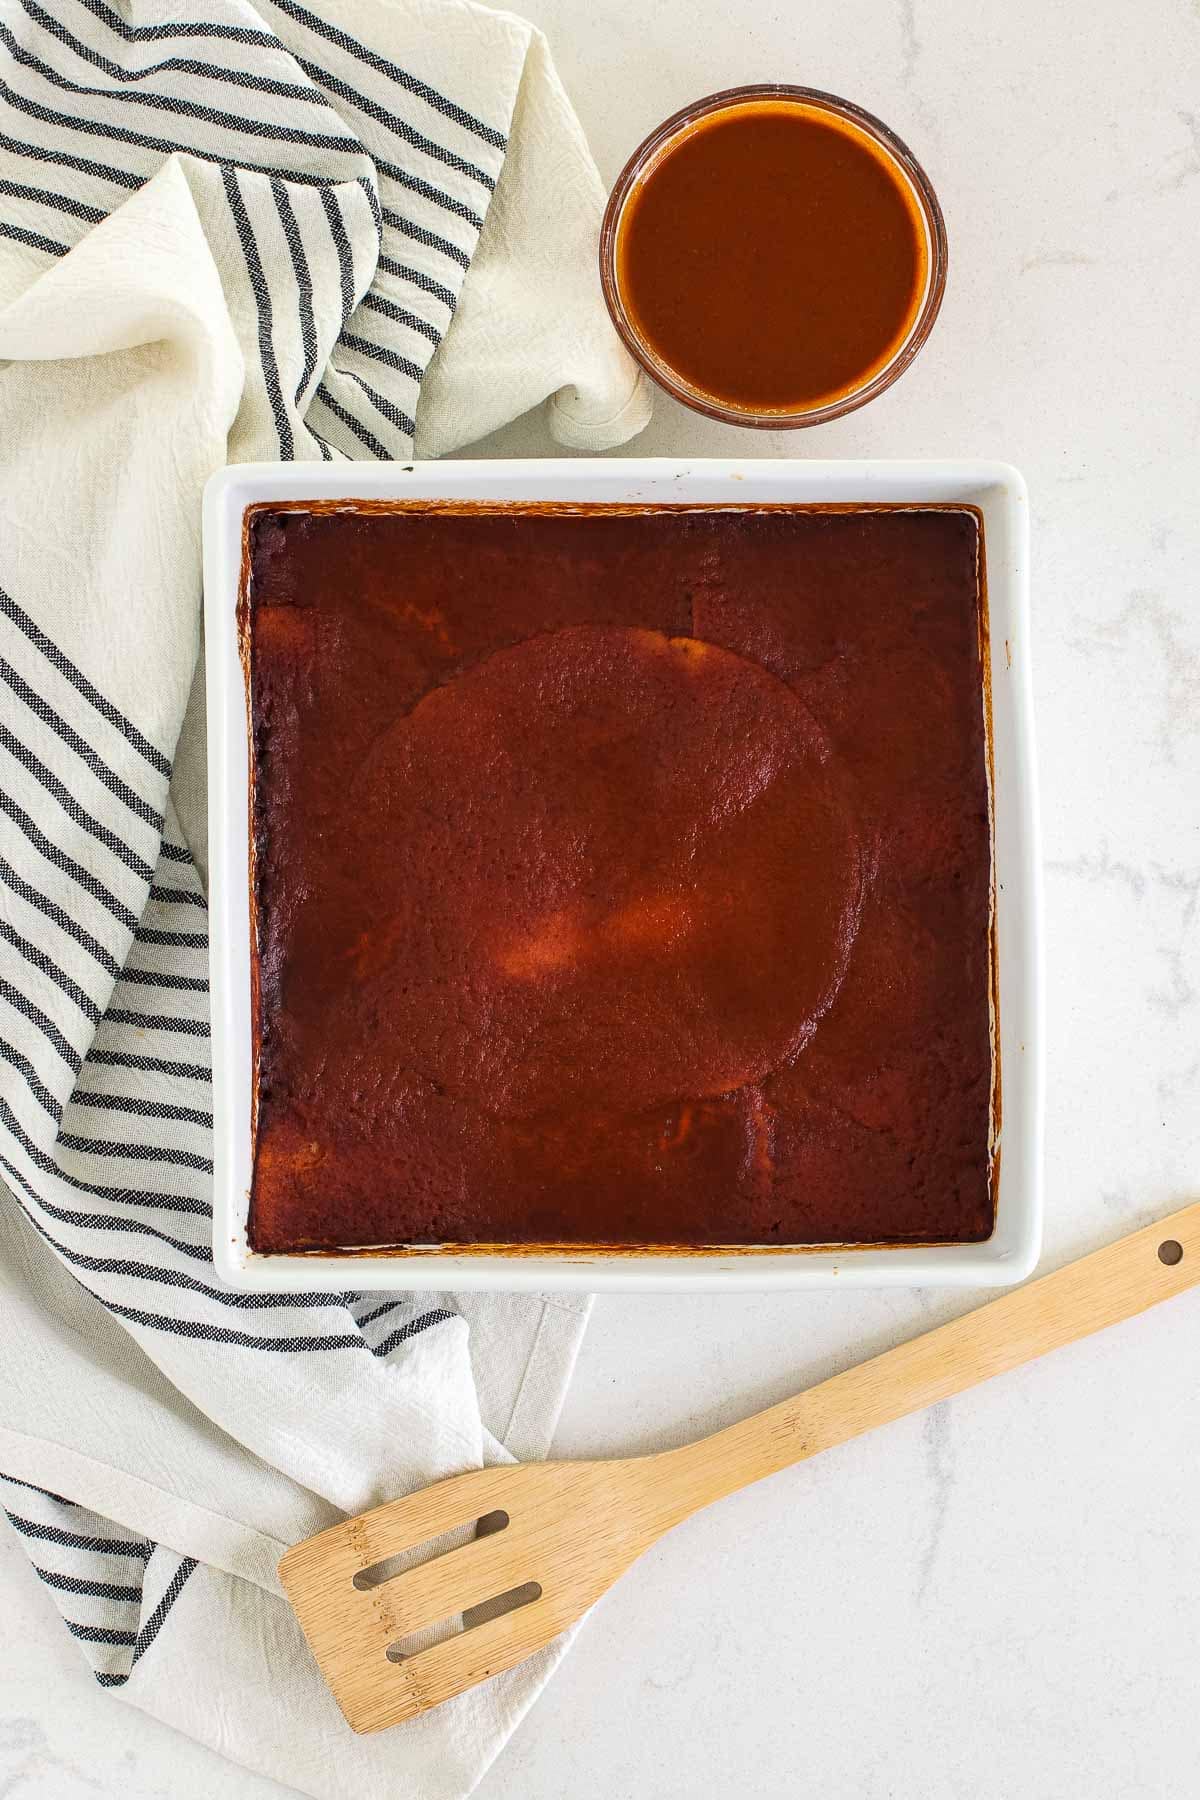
{"x":568,"y":1531}
{"x":556,"y":1535}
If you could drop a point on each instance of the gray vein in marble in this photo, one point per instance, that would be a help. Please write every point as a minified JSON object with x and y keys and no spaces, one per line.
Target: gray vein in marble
{"x":24,"y":1739}
{"x":1101,"y":867}
{"x":939,"y":1465}
{"x":1181,"y":1085}
{"x":1179,"y":883}
{"x":1146,"y":609}
{"x":1190,"y":163}
{"x":1132,"y":1217}
{"x":1105,"y":867}
{"x":1059,"y":259}
{"x":1179,"y":993}
{"x":673,"y":1674}
{"x":910,"y":43}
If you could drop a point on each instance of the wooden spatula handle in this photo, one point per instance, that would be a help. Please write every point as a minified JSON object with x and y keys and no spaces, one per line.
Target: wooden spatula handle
{"x":1112,"y":1284}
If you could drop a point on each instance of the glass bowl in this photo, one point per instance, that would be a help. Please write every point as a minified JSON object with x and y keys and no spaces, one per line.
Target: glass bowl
{"x":908,"y":174}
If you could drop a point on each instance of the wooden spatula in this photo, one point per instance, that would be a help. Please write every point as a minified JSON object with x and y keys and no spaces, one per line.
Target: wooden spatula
{"x":556,"y":1535}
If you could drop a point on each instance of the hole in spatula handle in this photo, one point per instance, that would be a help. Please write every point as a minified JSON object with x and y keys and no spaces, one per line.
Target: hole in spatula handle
{"x":1170,"y":1251}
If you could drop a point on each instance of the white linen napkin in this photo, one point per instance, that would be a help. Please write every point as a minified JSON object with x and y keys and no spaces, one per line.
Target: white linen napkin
{"x":230,"y":232}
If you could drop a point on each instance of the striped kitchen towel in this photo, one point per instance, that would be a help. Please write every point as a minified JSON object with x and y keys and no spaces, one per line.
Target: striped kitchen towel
{"x":226,"y":232}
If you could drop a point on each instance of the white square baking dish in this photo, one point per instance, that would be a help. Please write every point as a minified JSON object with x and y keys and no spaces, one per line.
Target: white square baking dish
{"x":998,"y":491}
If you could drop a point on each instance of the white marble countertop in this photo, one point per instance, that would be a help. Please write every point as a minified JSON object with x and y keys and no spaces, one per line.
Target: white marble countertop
{"x":998,"y":1599}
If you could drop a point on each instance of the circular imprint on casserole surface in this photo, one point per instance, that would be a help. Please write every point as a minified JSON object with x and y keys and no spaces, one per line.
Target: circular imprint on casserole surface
{"x":623,"y":869}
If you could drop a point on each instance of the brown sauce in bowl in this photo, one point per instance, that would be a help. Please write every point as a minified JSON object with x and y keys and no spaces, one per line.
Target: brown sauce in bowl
{"x":773,"y":256}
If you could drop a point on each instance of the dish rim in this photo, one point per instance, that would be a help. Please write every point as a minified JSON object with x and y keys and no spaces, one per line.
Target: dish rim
{"x":998,"y":491}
